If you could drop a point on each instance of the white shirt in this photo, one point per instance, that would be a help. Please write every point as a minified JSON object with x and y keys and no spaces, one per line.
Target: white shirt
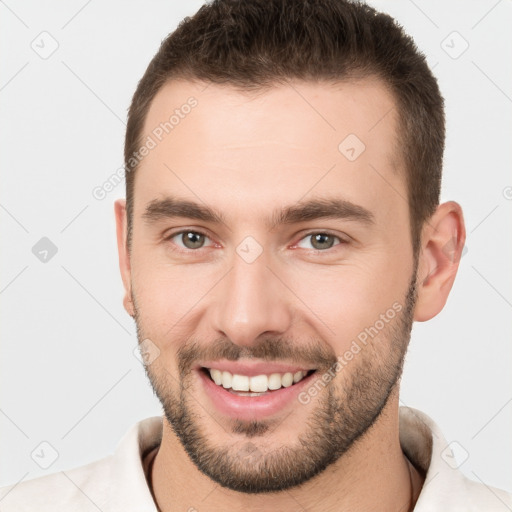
{"x":118,"y":483}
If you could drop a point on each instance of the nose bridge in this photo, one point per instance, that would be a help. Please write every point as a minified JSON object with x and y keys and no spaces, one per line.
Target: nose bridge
{"x":251,"y":300}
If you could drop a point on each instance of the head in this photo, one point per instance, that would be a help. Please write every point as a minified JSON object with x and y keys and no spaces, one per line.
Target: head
{"x":283,"y":170}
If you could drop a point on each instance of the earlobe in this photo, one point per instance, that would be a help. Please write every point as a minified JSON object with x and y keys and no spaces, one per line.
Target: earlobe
{"x":124,"y":256}
{"x":442,"y":244}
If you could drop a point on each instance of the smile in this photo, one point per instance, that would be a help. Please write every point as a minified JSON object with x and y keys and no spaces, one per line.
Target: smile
{"x":253,"y":392}
{"x":255,"y":385}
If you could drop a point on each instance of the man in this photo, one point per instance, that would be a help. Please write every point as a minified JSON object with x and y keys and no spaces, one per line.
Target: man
{"x":281,"y":232}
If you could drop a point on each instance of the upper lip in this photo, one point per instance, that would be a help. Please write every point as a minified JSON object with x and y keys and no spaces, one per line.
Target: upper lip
{"x":252,"y":369}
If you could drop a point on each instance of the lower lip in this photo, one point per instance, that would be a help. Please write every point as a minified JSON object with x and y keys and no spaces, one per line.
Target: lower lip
{"x":252,"y":407}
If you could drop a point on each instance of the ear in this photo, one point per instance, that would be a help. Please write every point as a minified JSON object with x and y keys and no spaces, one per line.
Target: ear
{"x":124,"y":255}
{"x":442,"y":243}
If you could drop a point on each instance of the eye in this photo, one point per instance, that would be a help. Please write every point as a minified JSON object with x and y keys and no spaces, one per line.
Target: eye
{"x":190,"y":240}
{"x":321,"y":241}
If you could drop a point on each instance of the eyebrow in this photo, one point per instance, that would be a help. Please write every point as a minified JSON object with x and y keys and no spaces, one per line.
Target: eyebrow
{"x":325,"y":208}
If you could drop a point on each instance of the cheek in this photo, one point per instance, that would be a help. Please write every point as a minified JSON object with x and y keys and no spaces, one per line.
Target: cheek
{"x":337,"y":301}
{"x":344,"y":301}
{"x":168,"y":296}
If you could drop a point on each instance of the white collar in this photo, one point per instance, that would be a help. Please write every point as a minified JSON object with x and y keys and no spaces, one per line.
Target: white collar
{"x":445,"y":487}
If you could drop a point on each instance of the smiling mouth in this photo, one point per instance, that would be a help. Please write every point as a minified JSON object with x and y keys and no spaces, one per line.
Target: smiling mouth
{"x":257,"y":385}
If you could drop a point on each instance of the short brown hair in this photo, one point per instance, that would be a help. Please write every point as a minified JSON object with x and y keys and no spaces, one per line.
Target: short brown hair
{"x":254,"y":44}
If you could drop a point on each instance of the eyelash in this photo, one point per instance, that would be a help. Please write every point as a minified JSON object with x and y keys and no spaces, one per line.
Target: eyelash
{"x":188,"y":251}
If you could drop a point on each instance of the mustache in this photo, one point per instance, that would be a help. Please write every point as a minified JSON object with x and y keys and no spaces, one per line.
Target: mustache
{"x":312,"y":354}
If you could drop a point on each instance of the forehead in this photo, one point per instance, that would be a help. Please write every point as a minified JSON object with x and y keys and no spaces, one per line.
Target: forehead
{"x":315,"y":111}
{"x":250,"y":147}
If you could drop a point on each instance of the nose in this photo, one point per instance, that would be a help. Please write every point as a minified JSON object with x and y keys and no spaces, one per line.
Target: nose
{"x":252,"y":301}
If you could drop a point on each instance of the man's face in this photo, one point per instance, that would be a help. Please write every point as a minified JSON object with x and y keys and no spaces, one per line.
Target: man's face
{"x":329,"y":296}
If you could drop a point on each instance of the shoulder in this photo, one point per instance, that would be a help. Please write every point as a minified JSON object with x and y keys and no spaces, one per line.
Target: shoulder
{"x":458,"y":493}
{"x":81,"y":489}
{"x":445,"y":487}
{"x":112,"y":484}
{"x":481,"y":496}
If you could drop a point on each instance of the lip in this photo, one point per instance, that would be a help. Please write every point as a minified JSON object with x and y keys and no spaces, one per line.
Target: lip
{"x":252,"y":408}
{"x":251,"y":369}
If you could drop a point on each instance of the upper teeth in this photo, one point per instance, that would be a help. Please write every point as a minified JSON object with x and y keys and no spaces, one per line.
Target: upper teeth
{"x":258,"y":383}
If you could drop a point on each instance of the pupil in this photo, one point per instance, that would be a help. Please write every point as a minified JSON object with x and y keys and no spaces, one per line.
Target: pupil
{"x":193,"y":240}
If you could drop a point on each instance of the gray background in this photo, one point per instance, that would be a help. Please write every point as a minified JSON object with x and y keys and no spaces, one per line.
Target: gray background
{"x":69,"y":376}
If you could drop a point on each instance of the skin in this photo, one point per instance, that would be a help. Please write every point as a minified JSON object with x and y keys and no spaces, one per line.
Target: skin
{"x":247,"y":155}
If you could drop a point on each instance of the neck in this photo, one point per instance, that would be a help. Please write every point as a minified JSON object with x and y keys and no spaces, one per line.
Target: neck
{"x":373,"y":475}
